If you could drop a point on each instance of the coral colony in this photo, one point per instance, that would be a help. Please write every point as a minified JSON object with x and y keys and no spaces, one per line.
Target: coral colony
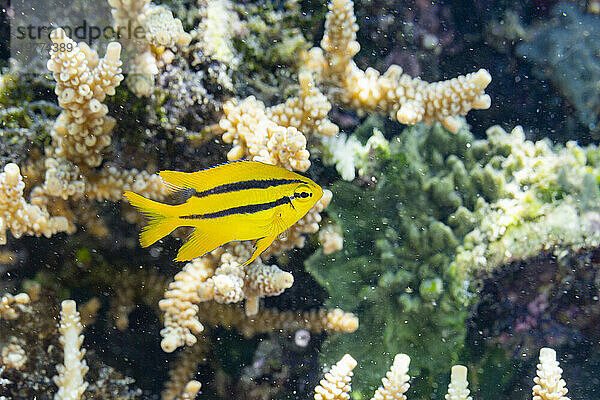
{"x":417,"y":222}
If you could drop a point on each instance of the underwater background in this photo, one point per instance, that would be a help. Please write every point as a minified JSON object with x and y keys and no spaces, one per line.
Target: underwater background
{"x":456,"y":143}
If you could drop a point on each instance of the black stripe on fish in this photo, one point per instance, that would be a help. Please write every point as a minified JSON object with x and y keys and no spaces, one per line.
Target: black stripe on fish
{"x":244,"y":185}
{"x":247,"y":209}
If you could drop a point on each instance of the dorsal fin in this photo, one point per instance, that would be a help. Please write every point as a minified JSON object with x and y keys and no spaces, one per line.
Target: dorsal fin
{"x":222,"y":174}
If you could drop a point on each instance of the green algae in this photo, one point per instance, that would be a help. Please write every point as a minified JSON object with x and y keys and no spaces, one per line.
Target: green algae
{"x":274,"y":37}
{"x":393,"y":269}
{"x":26,"y":115}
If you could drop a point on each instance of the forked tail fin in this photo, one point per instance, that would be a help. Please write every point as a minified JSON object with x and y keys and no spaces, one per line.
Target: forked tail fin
{"x":161,"y":220}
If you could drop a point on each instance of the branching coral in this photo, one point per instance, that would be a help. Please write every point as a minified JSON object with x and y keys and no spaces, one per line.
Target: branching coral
{"x":256,"y":137}
{"x":20,"y":217}
{"x":548,"y":382}
{"x":336,"y":384}
{"x":232,"y":283}
{"x":268,"y":320}
{"x":408,"y":100}
{"x":457,"y":390}
{"x":70,"y":374}
{"x":219,"y":278}
{"x":463,"y":207}
{"x":275,"y":135}
{"x":161,"y":32}
{"x":395,"y":383}
{"x":181,"y":381}
{"x":180,"y":305}
{"x":83,"y":81}
{"x":8,"y":303}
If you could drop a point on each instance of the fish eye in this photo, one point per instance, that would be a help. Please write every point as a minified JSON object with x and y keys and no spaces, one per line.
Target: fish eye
{"x":303,"y":192}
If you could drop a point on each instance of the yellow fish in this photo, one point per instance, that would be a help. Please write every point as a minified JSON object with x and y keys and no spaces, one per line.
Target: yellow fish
{"x":240,"y":200}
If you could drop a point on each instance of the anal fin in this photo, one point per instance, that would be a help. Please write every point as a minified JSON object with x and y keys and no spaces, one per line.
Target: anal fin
{"x":260,"y":246}
{"x":198,"y":244}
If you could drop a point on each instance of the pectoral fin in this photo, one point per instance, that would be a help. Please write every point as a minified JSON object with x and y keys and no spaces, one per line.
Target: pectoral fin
{"x":284,"y":235}
{"x":260,"y":246}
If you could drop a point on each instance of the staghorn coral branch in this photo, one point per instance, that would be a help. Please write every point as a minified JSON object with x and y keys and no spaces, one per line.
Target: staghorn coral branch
{"x":457,"y":390}
{"x":70,"y":374}
{"x":180,"y":305}
{"x":395,"y":383}
{"x":406,"y":99}
{"x":336,"y":383}
{"x":181,"y":383}
{"x":269,"y":320}
{"x":548,"y":382}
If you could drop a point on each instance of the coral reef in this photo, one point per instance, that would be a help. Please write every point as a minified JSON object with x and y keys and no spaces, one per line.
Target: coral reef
{"x":336,"y":384}
{"x":162,"y":33}
{"x":460,"y":208}
{"x":428,"y":216}
{"x":545,"y":300}
{"x":564,"y":50}
{"x":43,"y":356}
{"x":409,"y":100}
